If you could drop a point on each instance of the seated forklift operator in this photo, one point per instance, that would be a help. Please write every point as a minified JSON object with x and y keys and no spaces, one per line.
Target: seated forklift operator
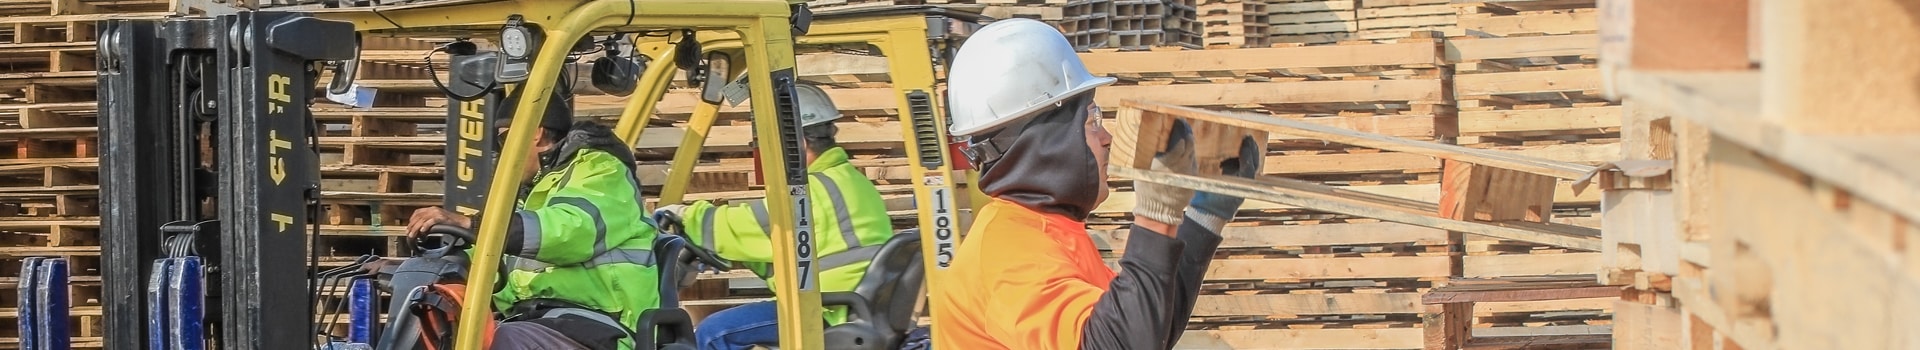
{"x":577,"y":242}
{"x":738,"y":232}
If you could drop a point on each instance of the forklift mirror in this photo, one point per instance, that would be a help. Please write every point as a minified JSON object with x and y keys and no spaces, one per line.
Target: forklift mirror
{"x":719,"y":64}
{"x":344,"y":72}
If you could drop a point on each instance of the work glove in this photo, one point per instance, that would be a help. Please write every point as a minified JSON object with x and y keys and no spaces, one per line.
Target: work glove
{"x":668,"y":217}
{"x":1213,"y":210}
{"x":1161,"y":202}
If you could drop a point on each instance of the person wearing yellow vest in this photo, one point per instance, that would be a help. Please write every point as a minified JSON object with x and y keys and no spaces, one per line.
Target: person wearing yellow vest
{"x":851,"y":224}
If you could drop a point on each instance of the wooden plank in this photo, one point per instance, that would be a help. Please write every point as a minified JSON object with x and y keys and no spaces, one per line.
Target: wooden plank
{"x":1548,"y":23}
{"x":1278,"y":126}
{"x":1293,"y":305}
{"x":1328,"y":268}
{"x":1474,"y":85}
{"x":1639,"y":326}
{"x":1320,"y":197}
{"x":1447,"y":326}
{"x":1530,"y":264}
{"x":1815,"y":54}
{"x":1273,"y":93}
{"x":1105,"y":63}
{"x":1346,"y":338}
{"x":1302,"y":235}
{"x":1502,"y":343}
{"x":1687,"y":34}
{"x":1582,"y":153}
{"x":1540,"y":119}
{"x":1473,"y":49}
{"x":1348,"y":163}
{"x":1310,"y":6}
{"x":1603,"y":304}
{"x":1446,"y":297}
{"x":1873,"y":168}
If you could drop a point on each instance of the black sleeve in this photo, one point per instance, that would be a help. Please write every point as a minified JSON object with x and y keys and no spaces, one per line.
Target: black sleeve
{"x":516,"y":233}
{"x":1200,"y":244}
{"x":1137,"y":309}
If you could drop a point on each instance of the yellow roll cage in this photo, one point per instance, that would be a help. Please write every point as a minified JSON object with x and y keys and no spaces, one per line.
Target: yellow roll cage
{"x":907,"y":38}
{"x":761,"y":26}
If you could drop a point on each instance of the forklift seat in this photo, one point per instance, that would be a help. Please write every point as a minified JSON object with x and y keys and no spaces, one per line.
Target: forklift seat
{"x":671,"y":327}
{"x":880,"y":308}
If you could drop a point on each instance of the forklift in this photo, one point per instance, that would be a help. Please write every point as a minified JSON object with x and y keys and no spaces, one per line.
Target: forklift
{"x":212,"y":162}
{"x":915,"y":40}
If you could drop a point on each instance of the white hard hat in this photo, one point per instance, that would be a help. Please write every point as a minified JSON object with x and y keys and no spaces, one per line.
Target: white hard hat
{"x":815,"y":107}
{"x":1012,"y":69}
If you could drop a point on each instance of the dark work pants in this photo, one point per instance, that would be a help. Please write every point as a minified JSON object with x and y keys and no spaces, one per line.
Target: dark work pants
{"x":531,"y":336}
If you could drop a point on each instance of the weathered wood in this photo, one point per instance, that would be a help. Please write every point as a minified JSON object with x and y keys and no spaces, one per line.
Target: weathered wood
{"x":1447,"y":326}
{"x":1482,"y":193}
{"x":1530,"y":264}
{"x":1639,"y":326}
{"x":1321,"y":197}
{"x":1474,"y":49}
{"x":1291,"y":305}
{"x":1328,"y":268}
{"x":1303,"y":235}
{"x":1486,"y":84}
{"x":1870,"y":167}
{"x":1260,"y":59}
{"x":1282,"y":126}
{"x":1540,"y":119}
{"x":1444,"y":296}
{"x":1347,"y":338}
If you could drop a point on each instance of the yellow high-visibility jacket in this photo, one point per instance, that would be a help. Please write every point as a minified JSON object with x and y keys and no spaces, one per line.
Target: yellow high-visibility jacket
{"x":850,"y":223}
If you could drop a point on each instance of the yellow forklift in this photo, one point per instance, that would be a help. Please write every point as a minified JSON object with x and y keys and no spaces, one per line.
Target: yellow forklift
{"x":184,"y":275}
{"x":916,"y":41}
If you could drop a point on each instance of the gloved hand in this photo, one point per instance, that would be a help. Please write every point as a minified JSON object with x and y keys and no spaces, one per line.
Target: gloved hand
{"x":1213,"y":210}
{"x":1160,"y":202}
{"x":668,"y":217}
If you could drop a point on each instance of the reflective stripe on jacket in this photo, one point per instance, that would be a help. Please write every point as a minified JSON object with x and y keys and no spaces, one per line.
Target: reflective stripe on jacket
{"x":584,"y":240}
{"x":850,"y":223}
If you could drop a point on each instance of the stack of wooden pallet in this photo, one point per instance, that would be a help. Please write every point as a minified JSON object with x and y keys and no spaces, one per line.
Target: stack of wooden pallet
{"x":1756,"y":213}
{"x":49,"y":202}
{"x":1392,"y":19}
{"x":1088,"y":23}
{"x":1311,"y":21}
{"x":1234,"y":23}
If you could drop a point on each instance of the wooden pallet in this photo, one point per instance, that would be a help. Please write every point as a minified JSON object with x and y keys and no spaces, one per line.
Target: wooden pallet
{"x":1390,"y":19}
{"x":1234,"y":24}
{"x":1536,"y":90}
{"x":1312,"y":22}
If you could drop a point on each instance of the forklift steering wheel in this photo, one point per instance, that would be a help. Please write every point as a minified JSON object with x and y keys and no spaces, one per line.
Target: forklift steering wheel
{"x":443,"y":236}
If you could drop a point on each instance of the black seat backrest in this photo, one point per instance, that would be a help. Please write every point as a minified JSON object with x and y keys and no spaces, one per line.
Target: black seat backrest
{"x":893,"y":281}
{"x":669,"y":251}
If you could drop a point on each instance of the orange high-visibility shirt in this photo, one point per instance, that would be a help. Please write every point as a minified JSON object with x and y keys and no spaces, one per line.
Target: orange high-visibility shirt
{"x":1022,"y":279}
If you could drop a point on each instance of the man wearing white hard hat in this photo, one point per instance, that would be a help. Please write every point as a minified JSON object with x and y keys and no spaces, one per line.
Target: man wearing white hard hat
{"x":738,"y":232}
{"x":1033,"y":278}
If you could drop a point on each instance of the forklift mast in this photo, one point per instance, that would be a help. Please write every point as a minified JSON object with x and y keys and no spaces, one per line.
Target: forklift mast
{"x":211,"y":175}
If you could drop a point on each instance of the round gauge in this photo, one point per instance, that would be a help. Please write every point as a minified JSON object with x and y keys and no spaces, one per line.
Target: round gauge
{"x":515,"y":41}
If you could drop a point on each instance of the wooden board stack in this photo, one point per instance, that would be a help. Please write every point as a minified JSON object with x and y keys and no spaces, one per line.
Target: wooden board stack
{"x":49,"y":183}
{"x":1311,"y":21}
{"x":1767,"y":217}
{"x":1390,"y":19}
{"x":1138,"y":24}
{"x":1234,"y":23}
